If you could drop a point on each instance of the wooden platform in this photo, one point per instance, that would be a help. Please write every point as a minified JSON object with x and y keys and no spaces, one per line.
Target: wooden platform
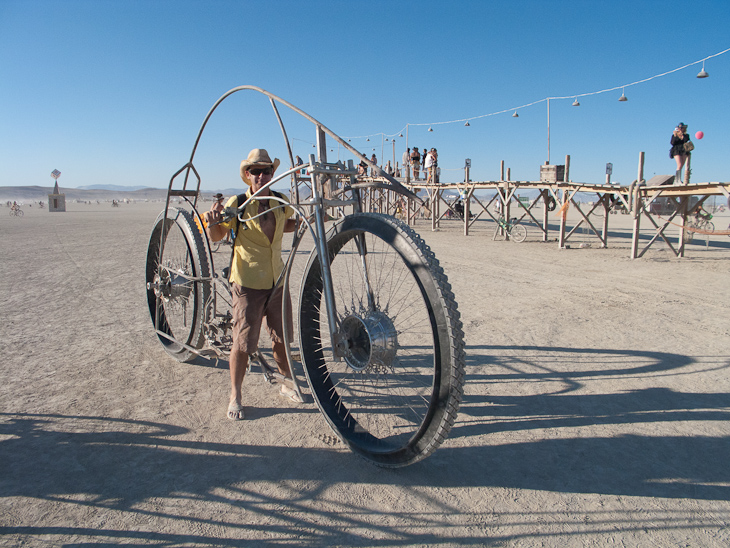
{"x":660,"y":201}
{"x":557,"y":197}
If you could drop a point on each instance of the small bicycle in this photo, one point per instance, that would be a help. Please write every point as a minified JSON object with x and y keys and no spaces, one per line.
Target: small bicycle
{"x":16,"y":212}
{"x":379,"y":334}
{"x":513,"y":230}
{"x":700,"y":224}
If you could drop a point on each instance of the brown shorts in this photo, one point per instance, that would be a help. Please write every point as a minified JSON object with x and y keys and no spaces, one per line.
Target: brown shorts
{"x":249,"y":308}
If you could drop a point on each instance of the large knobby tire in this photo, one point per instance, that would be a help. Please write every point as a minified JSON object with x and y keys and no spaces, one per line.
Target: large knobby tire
{"x":518,"y":233}
{"x":395,"y":393}
{"x":175,"y":302}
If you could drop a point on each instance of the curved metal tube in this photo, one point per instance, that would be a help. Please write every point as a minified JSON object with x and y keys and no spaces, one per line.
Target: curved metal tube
{"x":274,"y":98}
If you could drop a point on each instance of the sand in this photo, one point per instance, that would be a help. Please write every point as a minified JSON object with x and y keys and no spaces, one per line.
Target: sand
{"x":595,"y":412}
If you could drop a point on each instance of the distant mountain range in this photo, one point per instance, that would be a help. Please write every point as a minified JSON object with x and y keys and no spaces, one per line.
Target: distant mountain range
{"x":101,"y":192}
{"x":119,"y":188}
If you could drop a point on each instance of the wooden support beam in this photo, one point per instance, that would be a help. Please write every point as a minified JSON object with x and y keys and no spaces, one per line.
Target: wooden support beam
{"x":606,"y":201}
{"x":545,"y":194}
{"x":563,"y":202}
{"x":637,"y":205}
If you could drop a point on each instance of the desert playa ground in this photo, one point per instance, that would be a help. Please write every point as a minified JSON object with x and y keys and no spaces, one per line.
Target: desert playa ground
{"x":596,"y":408}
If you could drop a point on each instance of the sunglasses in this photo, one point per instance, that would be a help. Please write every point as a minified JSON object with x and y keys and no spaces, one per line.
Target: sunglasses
{"x":261,"y":171}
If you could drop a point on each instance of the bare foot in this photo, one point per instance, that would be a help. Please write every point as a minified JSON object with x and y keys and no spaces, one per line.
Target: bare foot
{"x":235,"y":411}
{"x":291,"y":394}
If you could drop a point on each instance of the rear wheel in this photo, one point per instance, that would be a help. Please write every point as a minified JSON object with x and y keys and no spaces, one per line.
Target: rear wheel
{"x":392,"y":384}
{"x":518,"y":233}
{"x":176,"y":299}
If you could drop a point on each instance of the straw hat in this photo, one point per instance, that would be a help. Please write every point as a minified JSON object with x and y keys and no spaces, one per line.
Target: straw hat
{"x":258,"y":157}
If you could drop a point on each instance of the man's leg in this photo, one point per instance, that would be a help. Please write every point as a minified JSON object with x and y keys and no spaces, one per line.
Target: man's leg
{"x":238,"y":362}
{"x":275,"y":324}
{"x":279,"y":350}
{"x":282,"y":363}
{"x":247,"y":313}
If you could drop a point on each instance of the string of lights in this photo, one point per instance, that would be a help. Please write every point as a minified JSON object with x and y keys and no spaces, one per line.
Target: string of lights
{"x":466,"y":121}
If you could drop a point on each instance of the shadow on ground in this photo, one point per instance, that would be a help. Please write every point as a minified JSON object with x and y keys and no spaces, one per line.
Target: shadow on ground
{"x":118,"y":464}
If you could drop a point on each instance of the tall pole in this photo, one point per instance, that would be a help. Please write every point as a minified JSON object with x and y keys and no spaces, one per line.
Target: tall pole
{"x":548,"y":114}
{"x":408,"y":165}
{"x":394,"y":153}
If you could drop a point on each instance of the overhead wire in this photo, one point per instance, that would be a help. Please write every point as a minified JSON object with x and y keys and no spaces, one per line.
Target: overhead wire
{"x":515,"y":109}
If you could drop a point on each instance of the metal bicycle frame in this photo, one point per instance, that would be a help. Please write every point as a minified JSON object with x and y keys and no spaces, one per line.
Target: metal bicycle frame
{"x":504,"y":224}
{"x":322,"y":174}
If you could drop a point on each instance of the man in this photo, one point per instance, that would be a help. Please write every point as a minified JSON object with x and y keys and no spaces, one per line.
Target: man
{"x":430,"y":164}
{"x":406,"y":161}
{"x":255,"y":268}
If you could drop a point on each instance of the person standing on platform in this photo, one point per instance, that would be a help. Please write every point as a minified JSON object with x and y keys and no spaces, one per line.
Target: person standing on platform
{"x":678,"y":150}
{"x":429,"y":165}
{"x":416,"y":163}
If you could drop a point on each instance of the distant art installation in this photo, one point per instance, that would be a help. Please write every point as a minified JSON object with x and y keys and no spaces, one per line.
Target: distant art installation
{"x":56,"y":201}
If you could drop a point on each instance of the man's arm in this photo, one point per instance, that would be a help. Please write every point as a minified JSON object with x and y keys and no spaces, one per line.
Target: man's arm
{"x":215,"y":231}
{"x":291,"y":225}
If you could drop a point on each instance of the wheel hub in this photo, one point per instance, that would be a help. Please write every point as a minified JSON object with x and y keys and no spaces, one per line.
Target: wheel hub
{"x":369,"y":340}
{"x":169,"y":285}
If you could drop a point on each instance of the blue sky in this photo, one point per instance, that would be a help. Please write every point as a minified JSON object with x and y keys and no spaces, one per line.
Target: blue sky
{"x":114,"y":92}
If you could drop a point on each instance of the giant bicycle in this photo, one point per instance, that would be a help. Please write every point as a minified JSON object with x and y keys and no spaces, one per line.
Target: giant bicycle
{"x":379,"y":334}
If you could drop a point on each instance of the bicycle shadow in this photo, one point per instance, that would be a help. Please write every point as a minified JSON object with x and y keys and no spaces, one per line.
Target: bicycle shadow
{"x":617,"y":456}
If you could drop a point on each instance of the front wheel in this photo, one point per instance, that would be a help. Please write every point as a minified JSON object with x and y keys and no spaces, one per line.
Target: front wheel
{"x":392,"y":383}
{"x":175,"y":294}
{"x":518,"y":233}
